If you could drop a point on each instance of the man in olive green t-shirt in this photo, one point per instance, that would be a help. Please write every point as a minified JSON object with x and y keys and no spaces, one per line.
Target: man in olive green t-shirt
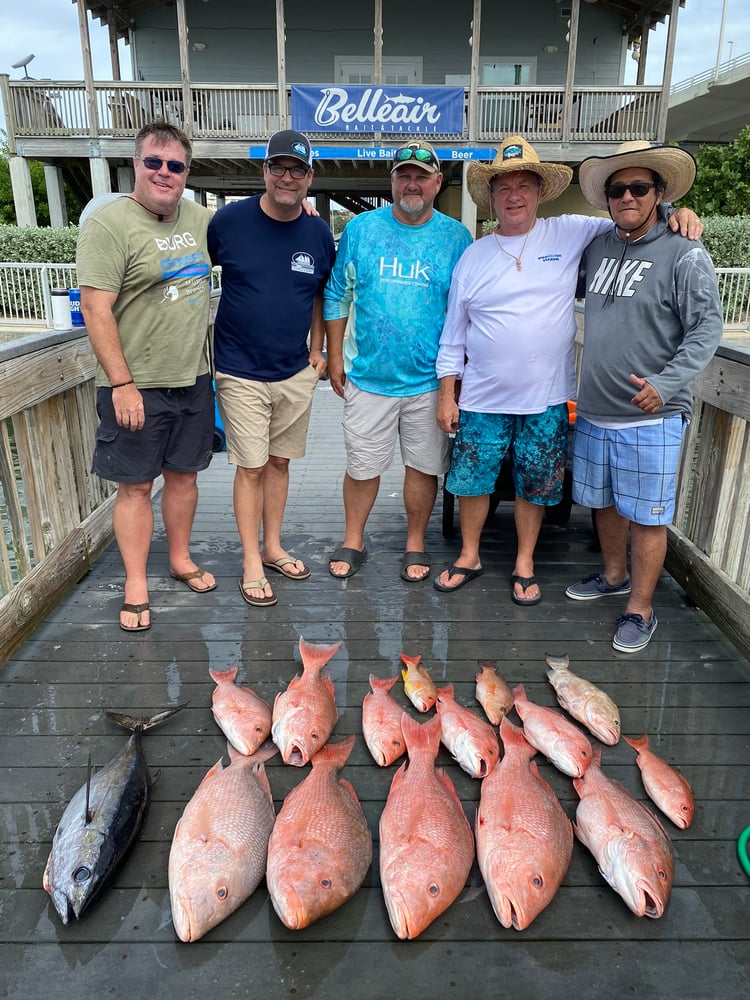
{"x":144,"y":271}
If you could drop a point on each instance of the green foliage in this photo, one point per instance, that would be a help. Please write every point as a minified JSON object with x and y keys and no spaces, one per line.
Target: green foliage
{"x":727,"y":240}
{"x":722,"y":186}
{"x":39,"y":188}
{"x":45,"y":246}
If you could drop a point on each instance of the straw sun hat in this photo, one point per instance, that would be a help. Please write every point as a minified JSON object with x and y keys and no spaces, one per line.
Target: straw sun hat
{"x":675,"y":166}
{"x":516,"y":154}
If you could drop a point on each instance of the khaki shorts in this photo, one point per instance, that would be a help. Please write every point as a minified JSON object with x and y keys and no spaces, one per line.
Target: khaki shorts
{"x":265,"y":418}
{"x":372,"y":424}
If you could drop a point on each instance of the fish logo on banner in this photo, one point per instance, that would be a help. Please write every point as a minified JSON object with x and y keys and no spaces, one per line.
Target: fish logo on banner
{"x":411,"y":110}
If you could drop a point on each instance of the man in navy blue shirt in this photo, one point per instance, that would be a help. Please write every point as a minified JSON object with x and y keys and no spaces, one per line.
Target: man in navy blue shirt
{"x":275,"y":261}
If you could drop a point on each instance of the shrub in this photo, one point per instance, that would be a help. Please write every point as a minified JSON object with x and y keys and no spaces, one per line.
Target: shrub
{"x":43,"y":246}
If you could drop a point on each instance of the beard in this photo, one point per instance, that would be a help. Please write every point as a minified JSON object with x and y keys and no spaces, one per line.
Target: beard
{"x":412,"y":204}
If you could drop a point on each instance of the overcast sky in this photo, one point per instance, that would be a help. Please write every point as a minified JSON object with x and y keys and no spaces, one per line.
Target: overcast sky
{"x":49,"y":29}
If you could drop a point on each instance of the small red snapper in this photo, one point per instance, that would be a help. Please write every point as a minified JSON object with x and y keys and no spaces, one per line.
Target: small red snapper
{"x":492,"y":693}
{"x":524,"y":838}
{"x":666,"y":788}
{"x":304,"y":715}
{"x":549,"y":731}
{"x":632,"y":848}
{"x":426,"y":842}
{"x":470,"y":740}
{"x":321,"y":847}
{"x":418,"y":685}
{"x":381,"y":721}
{"x":243,"y":717}
{"x":587,"y":703}
{"x":218,"y":853}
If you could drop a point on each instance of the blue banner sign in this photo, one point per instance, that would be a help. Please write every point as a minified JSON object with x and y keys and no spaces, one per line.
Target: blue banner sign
{"x":403,"y":110}
{"x":379,"y":154}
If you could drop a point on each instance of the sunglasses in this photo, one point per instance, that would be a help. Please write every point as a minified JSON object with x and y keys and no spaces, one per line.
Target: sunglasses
{"x":156,"y":162}
{"x":416,"y":153}
{"x":638,"y":189}
{"x":296,"y":173}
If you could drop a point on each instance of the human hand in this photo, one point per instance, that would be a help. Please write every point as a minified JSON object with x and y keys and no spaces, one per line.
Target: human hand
{"x":647,"y":399}
{"x":127,"y":402}
{"x":687,"y":223}
{"x":319,"y":362}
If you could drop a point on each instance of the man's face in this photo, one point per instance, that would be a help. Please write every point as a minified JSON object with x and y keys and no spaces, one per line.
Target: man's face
{"x":515,"y":197}
{"x":159,"y":190}
{"x":286,"y":192}
{"x":414,"y":192}
{"x":630,"y":212}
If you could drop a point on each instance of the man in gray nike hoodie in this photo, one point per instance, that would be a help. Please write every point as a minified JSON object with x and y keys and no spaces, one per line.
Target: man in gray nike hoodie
{"x":653,"y":320}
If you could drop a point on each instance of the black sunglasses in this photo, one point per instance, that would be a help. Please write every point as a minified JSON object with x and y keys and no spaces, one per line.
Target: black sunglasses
{"x":638,"y":189}
{"x":415,"y":152}
{"x":278,"y":170}
{"x":155,"y":163}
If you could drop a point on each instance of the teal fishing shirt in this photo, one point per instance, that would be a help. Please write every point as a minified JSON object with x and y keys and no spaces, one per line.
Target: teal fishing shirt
{"x":392,"y":281}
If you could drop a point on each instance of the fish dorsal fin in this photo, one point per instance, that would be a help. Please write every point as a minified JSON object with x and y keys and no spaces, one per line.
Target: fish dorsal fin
{"x":87,"y":813}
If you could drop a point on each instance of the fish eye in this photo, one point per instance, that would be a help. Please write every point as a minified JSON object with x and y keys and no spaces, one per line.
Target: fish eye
{"x":222,"y":892}
{"x":313,"y":736}
{"x":538,"y":881}
{"x":396,"y":743}
{"x":584,"y":753}
{"x":433,"y":889}
{"x":326,"y":883}
{"x":82,"y":874}
{"x":661,"y":873}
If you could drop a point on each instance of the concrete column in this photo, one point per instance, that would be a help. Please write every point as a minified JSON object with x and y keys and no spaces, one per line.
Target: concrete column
{"x":23,"y":193}
{"x":323,"y":205}
{"x":100,"y":182}
{"x":468,"y":208}
{"x":125,"y":179}
{"x":199,"y":194}
{"x":58,"y":213}
{"x":220,"y":201}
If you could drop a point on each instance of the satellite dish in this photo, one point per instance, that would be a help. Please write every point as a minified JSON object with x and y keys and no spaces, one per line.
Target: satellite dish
{"x":23,"y":63}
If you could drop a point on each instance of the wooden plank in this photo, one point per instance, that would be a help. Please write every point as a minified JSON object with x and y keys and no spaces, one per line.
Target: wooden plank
{"x":725,"y":384}
{"x":55,"y":369}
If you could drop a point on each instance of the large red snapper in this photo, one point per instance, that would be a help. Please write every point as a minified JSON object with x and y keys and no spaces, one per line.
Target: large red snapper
{"x":381,"y":721}
{"x":524,"y":838}
{"x":666,"y":788}
{"x":418,"y":685}
{"x":304,"y":715}
{"x":321,"y":846}
{"x":218,"y":853}
{"x":587,"y":703}
{"x":243,"y":717}
{"x":632,"y":848}
{"x":549,"y":731}
{"x":470,"y":740}
{"x":492,"y":692}
{"x":426,"y":843}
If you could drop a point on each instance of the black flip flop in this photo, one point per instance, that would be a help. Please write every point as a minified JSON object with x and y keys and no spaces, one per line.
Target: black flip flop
{"x":526,"y":582}
{"x":463,"y":571}
{"x":415,"y":559}
{"x":354,"y":557}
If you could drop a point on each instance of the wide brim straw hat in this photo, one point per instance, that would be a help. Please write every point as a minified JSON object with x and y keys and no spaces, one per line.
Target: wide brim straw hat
{"x":675,"y":166}
{"x":516,"y":154}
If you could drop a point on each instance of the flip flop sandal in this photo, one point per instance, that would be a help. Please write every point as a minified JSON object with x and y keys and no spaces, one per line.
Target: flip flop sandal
{"x":354,"y":557}
{"x":525,"y":582}
{"x":278,"y":567}
{"x":197,"y":574}
{"x":415,"y":559}
{"x":136,"y":609}
{"x":462,"y":571}
{"x":257,"y":602}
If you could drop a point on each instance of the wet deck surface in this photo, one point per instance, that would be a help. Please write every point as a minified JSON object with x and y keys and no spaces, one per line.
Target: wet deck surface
{"x":688,"y":690}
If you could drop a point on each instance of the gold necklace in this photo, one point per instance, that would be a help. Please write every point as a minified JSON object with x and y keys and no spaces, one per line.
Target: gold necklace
{"x":512,"y":255}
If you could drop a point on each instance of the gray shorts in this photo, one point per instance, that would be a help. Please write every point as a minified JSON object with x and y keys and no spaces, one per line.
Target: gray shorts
{"x":177,"y":435}
{"x":372,"y":424}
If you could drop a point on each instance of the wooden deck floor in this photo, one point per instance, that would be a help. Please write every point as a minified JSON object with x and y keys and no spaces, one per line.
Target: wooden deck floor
{"x":689,"y":690}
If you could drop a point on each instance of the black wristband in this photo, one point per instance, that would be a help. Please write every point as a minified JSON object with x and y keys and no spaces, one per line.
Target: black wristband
{"x":121,"y":384}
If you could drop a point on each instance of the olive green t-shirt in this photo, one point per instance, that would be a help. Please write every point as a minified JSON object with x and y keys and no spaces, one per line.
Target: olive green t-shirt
{"x":161,"y":273}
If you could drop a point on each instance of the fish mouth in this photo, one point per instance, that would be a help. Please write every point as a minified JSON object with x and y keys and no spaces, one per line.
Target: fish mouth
{"x":296,"y":756}
{"x":651,"y":904}
{"x":399,"y":916}
{"x":65,"y":909}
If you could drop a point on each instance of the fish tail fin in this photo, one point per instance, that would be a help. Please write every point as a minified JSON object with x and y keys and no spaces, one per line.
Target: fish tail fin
{"x":638,"y":743}
{"x":336,"y":754}
{"x":140,"y":723}
{"x":224,"y":675}
{"x":421,"y":735}
{"x":446,"y":692}
{"x":382,"y":683}
{"x":486,"y":668}
{"x":410,"y":661}
{"x":519,"y":691}
{"x":512,"y":736}
{"x":315,"y":655}
{"x":557,"y":662}
{"x":265,"y":752}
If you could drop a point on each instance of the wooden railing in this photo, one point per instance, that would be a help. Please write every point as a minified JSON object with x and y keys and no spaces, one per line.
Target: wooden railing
{"x":60,"y":109}
{"x":709,"y":542}
{"x":54,"y":513}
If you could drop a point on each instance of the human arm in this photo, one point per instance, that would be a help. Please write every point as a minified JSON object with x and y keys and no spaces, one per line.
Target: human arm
{"x":97,"y":306}
{"x":698,"y":306}
{"x":335,"y":329}
{"x":317,"y":337}
{"x":447,"y":406}
{"x":685,"y":222}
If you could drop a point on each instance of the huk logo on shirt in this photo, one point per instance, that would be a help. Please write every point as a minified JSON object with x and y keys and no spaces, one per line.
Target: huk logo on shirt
{"x":304,"y":262}
{"x":393,"y":269}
